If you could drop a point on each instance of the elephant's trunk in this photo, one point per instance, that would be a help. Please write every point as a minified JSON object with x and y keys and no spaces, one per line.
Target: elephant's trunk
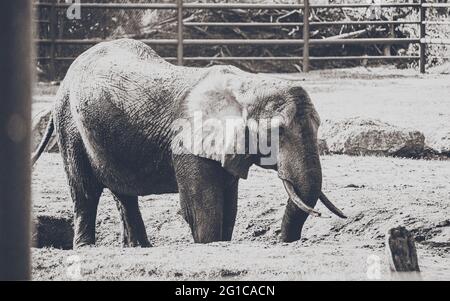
{"x":298,"y":201}
{"x":308,"y":189}
{"x":301,"y":204}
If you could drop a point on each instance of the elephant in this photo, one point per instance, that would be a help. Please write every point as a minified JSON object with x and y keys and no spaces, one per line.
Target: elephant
{"x":115,"y":114}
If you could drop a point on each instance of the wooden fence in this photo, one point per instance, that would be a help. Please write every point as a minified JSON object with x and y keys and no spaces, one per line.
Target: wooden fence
{"x":305,"y":43}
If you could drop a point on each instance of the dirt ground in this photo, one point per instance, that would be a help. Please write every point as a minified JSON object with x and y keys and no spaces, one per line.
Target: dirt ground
{"x":376,"y":193}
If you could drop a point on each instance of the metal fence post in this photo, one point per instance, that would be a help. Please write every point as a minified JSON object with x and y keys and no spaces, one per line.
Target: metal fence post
{"x":423,"y":45}
{"x":52,"y":32}
{"x":16,"y":67}
{"x":180,"y":32}
{"x":306,"y":36}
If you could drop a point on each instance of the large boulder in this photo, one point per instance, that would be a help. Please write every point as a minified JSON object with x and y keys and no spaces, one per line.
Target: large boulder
{"x":440,"y":141}
{"x":39,"y":124}
{"x":358,"y":136}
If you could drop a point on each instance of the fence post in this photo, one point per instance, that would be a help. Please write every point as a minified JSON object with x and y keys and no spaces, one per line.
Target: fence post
{"x":53,"y":25}
{"x":16,"y":67}
{"x":306,"y":36}
{"x":423,"y":45}
{"x":180,"y":32}
{"x":391,"y":34}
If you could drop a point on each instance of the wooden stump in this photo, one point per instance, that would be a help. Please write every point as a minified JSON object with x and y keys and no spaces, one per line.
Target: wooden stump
{"x":402,"y":254}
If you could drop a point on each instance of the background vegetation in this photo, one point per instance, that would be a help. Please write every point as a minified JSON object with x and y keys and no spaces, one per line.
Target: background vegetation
{"x":153,"y":24}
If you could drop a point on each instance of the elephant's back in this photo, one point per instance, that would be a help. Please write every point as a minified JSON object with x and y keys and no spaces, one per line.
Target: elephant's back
{"x":117,"y":63}
{"x":127,"y":75}
{"x":122,"y":98}
{"x":125,"y":50}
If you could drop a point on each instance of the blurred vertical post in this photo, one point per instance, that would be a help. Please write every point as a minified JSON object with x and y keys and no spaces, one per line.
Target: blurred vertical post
{"x":423,"y":45}
{"x":305,"y":35}
{"x":15,"y":103}
{"x":180,"y":32}
{"x":391,"y":35}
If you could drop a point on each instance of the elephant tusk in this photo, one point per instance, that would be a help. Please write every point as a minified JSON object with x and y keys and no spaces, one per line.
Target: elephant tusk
{"x":297,"y":201}
{"x":330,"y":206}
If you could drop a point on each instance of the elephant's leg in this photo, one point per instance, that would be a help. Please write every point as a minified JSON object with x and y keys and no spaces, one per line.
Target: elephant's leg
{"x":293,"y":221}
{"x":203,"y":210}
{"x":85,"y":202}
{"x":85,"y":189}
{"x":201,"y":187}
{"x":133,"y":231}
{"x":230,"y":209}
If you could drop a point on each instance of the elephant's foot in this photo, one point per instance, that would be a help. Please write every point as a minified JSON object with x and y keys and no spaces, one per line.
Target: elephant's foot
{"x":208,"y":231}
{"x":84,"y":232}
{"x":290,"y":237}
{"x":132,"y":239}
{"x":126,"y":243}
{"x":83,"y":244}
{"x":207,"y":227}
{"x":133,"y":232}
{"x":84,"y":218}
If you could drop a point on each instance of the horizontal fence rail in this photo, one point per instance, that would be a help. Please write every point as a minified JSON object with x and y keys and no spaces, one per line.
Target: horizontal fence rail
{"x":274,"y":24}
{"x":328,"y":41}
{"x":304,"y":43}
{"x":111,"y":5}
{"x":222,"y":5}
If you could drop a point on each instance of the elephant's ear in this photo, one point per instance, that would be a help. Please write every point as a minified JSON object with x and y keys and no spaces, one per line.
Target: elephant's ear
{"x":217,"y":111}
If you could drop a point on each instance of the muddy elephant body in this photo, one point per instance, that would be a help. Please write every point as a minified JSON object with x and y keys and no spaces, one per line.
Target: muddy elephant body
{"x":114,"y":116}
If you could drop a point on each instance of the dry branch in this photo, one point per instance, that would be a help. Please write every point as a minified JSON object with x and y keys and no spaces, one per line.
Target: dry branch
{"x":348,"y":35}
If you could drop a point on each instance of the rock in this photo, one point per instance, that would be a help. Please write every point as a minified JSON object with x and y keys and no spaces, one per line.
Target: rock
{"x":260,"y":231}
{"x":354,"y":186}
{"x":440,"y":69}
{"x":52,"y":232}
{"x":444,"y":223}
{"x":358,"y":136}
{"x":39,"y":124}
{"x":323,"y":147}
{"x":440,"y":141}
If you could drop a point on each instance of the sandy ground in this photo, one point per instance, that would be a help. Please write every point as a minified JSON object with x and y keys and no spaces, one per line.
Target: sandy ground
{"x":376,"y":194}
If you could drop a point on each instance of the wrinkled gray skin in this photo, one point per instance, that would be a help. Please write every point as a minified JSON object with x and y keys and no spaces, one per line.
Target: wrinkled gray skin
{"x":113,"y":116}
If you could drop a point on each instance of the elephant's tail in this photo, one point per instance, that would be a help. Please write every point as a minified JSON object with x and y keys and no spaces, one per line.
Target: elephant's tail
{"x":48,"y":134}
